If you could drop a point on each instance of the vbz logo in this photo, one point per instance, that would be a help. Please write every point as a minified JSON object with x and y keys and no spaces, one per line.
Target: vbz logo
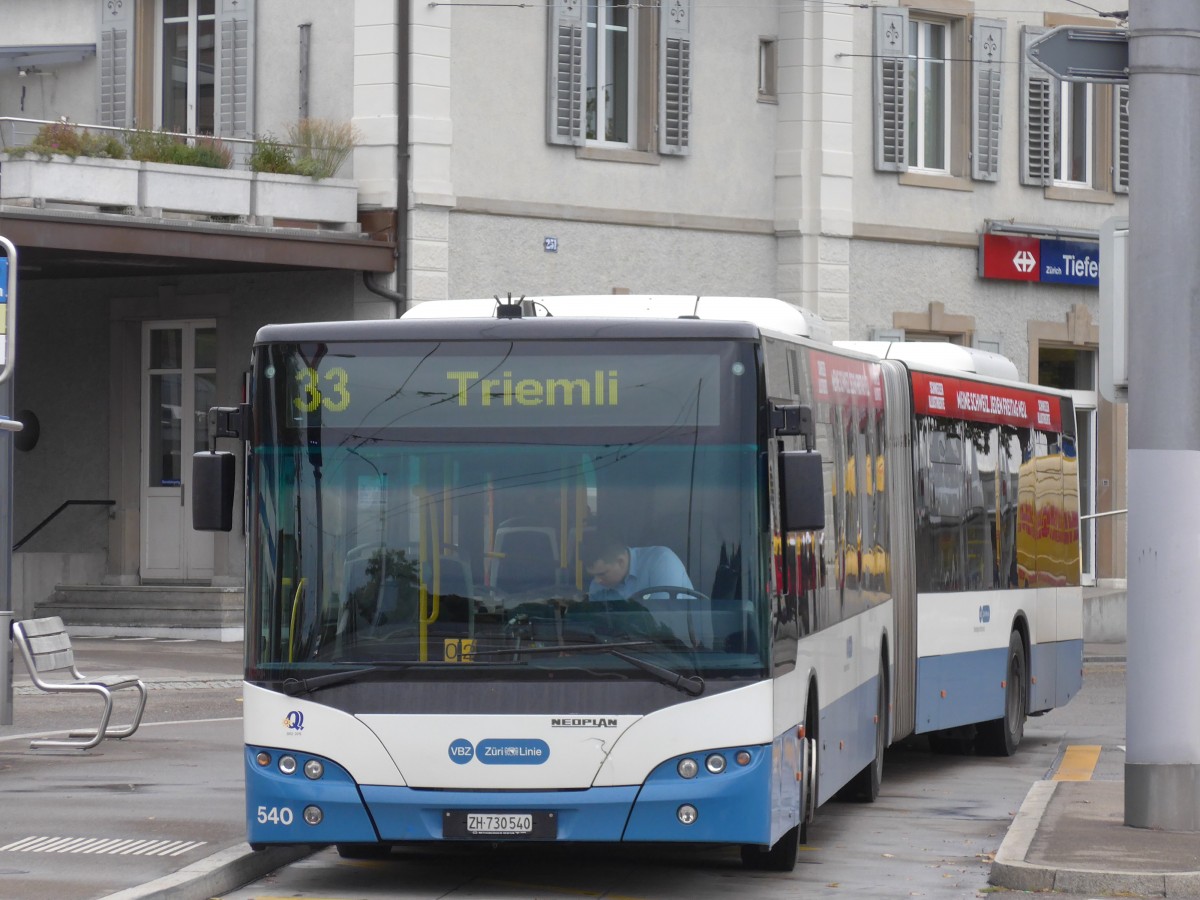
{"x":985,"y":614}
{"x":462,"y":751}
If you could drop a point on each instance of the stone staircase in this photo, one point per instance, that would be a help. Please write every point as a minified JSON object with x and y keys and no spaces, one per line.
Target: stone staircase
{"x":176,"y":611}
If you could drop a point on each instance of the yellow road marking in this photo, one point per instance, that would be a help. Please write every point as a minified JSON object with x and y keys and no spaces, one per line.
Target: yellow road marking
{"x":1078,"y":763}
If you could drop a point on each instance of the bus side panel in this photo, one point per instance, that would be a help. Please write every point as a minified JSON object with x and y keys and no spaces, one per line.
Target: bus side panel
{"x":962,"y":647}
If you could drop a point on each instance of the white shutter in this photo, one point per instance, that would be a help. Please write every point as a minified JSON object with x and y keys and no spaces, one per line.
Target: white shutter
{"x":675,"y":77}
{"x":891,"y":89}
{"x":987,"y":58}
{"x":235,"y":68}
{"x":1038,"y":102}
{"x":891,"y":335}
{"x":990,"y":343}
{"x":1121,"y":138}
{"x":116,"y":64}
{"x":565,"y":67}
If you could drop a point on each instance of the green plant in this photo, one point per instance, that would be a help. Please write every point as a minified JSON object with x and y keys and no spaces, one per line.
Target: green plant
{"x":321,"y":146}
{"x":155,"y":146}
{"x":269,"y":155}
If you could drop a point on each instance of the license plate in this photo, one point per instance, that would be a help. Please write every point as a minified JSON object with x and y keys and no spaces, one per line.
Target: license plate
{"x":500,"y":823}
{"x":540,"y":825}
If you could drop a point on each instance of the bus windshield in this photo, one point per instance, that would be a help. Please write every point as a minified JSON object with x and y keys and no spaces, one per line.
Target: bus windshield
{"x":430,"y":506}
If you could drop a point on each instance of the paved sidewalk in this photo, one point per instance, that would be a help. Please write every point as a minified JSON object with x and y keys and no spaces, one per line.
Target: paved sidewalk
{"x":160,"y":814}
{"x":1071,"y":836}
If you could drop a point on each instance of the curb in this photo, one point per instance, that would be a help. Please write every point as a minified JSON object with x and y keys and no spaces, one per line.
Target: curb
{"x":1010,"y":869}
{"x":214,"y":875}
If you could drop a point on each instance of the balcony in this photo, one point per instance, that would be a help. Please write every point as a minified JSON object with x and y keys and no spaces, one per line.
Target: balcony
{"x":93,"y":211}
{"x":162,"y":191}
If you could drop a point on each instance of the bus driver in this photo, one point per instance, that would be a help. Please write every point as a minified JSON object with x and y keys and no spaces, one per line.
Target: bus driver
{"x":619,"y":571}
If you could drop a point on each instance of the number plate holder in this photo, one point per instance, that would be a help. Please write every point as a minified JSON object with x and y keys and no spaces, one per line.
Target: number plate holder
{"x":541,"y":825}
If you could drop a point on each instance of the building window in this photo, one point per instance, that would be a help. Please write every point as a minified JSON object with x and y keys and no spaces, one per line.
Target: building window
{"x":933,"y":114}
{"x":602,"y":89}
{"x":188,"y":66}
{"x":612,"y":72}
{"x":768,"y":63}
{"x":928,"y":96}
{"x":1073,"y":135}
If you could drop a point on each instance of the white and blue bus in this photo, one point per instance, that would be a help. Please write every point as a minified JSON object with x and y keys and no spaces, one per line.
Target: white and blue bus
{"x":875,"y":547}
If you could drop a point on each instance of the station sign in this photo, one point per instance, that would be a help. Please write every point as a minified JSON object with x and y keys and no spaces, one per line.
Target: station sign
{"x":1043,"y":260}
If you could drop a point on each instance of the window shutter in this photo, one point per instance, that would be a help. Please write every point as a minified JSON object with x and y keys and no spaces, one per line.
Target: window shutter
{"x":990,"y":343}
{"x":987,"y":51}
{"x":235,"y":65}
{"x":567,"y":56}
{"x":675,"y":77}
{"x":891,"y":335}
{"x":116,"y":64}
{"x":891,"y":89}
{"x":1121,"y":138}
{"x":1037,"y":116}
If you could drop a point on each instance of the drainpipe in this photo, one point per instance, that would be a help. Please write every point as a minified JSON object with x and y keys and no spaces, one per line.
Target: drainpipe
{"x":399,"y":297}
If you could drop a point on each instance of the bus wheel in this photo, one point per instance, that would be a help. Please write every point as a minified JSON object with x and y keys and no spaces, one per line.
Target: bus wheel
{"x":1001,"y":737}
{"x":865,"y":785}
{"x":364,"y":851}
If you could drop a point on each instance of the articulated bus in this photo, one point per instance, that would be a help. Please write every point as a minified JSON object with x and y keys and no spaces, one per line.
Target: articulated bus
{"x":876,"y":547}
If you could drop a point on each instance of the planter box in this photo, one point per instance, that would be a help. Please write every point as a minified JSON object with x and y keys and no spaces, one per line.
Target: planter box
{"x":330,"y":201}
{"x":193,"y":189}
{"x":60,"y":179}
{"x":152,"y":189}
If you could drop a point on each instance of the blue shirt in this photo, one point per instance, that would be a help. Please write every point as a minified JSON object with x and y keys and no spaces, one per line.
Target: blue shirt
{"x":648,"y":567}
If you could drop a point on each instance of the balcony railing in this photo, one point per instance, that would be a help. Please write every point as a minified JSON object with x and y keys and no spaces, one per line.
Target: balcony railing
{"x":16,"y":132}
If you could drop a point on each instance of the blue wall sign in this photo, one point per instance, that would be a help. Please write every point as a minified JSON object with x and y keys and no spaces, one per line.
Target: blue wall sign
{"x":1070,"y":262}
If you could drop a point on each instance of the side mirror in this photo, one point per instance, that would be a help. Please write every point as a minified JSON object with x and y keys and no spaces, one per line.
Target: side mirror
{"x":213,"y":474}
{"x":801,"y":491}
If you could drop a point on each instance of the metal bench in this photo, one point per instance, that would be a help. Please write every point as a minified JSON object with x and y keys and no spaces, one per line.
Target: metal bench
{"x":46,"y":647}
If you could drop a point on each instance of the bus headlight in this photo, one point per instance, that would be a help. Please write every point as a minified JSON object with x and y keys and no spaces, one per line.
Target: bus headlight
{"x":715,"y":763}
{"x":687,"y":768}
{"x":314,"y":769}
{"x":313,"y":815}
{"x":263,"y":758}
{"x":287,"y":765}
{"x":686,"y":814}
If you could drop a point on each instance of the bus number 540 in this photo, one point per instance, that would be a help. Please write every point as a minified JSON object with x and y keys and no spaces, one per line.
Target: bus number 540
{"x":275,"y":815}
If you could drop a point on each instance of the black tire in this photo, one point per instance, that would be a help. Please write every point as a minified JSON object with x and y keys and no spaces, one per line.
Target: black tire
{"x":1001,"y":737}
{"x":779,"y":858}
{"x":364,"y":851}
{"x":864,"y":787}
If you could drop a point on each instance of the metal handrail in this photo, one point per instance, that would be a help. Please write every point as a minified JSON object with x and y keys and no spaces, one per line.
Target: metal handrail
{"x":46,"y":521}
{"x":242,"y":147}
{"x":1111,"y":512}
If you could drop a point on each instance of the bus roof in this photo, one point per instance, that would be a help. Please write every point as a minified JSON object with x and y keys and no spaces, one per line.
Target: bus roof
{"x":769,"y":313}
{"x":941,"y":355}
{"x":470,"y":329}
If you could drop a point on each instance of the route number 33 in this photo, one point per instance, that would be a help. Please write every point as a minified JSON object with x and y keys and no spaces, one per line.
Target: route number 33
{"x":330,"y":390}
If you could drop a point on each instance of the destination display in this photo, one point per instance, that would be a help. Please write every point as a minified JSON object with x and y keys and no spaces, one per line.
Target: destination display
{"x":439,"y":386}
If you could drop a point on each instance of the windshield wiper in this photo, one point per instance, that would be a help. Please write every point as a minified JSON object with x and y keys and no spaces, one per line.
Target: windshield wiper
{"x":690,"y":684}
{"x":294,"y":686}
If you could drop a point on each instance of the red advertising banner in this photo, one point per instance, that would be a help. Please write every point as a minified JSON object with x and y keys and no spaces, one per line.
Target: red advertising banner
{"x":840,"y":378}
{"x":958,"y":398}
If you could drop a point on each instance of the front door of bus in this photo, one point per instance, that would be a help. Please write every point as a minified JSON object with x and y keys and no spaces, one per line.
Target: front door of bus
{"x":178,"y":386}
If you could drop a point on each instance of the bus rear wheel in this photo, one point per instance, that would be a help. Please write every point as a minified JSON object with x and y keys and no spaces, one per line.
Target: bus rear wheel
{"x":864,"y":786}
{"x":1001,"y":737}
